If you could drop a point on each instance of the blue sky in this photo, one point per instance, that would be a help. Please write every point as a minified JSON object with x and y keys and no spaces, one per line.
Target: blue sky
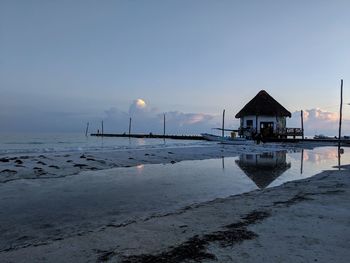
{"x":63,"y":63}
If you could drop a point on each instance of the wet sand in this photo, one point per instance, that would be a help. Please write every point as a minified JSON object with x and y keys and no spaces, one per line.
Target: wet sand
{"x":301,"y":221}
{"x":39,"y":166}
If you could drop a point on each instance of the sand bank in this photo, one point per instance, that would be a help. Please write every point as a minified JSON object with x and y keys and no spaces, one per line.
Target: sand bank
{"x":299,"y":221}
{"x":53,"y":165}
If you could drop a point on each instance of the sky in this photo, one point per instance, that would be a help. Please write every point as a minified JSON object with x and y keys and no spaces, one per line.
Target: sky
{"x":66,"y":63}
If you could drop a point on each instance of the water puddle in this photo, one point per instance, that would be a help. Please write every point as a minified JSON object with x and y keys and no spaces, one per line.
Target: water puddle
{"x":54,"y":207}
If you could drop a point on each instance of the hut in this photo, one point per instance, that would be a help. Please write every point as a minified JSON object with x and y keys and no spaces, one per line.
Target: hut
{"x":263,"y":115}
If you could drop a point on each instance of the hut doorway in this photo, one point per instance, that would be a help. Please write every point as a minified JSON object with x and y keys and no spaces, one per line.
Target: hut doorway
{"x":266,"y":129}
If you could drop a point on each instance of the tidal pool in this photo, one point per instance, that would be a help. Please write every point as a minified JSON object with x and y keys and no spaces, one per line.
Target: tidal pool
{"x":46,"y":209}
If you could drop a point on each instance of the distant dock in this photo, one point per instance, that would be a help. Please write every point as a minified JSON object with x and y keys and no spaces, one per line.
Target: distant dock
{"x":201,"y":138}
{"x":150,"y":135}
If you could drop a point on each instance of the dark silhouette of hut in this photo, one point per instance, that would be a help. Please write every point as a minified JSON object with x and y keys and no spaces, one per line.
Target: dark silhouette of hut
{"x":264,"y":115}
{"x":264,"y":168}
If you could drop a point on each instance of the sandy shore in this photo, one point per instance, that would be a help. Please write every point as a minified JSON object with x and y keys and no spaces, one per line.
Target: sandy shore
{"x":37,"y":166}
{"x":300,"y":221}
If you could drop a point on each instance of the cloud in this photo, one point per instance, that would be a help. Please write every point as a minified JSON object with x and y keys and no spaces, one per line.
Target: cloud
{"x":321,"y":115}
{"x":319,"y":121}
{"x":146,"y":119}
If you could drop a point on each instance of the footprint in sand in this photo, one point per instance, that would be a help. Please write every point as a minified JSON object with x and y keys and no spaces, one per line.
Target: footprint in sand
{"x":80,"y":165}
{"x":8,"y":172}
{"x":39,"y":171}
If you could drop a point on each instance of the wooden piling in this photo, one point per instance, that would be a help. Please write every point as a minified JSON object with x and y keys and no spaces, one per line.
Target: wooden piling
{"x":302,"y":123}
{"x":102,"y":128}
{"x":340,"y":117}
{"x":164,"y":125}
{"x":129,"y":126}
{"x":223,"y":124}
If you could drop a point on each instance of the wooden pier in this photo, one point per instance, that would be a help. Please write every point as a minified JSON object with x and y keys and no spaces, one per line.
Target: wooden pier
{"x":199,"y":137}
{"x":150,"y":135}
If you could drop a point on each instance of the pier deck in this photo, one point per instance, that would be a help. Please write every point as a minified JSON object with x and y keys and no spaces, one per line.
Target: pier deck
{"x":150,"y":135}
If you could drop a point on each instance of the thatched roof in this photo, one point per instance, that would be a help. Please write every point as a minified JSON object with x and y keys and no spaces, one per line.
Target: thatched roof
{"x":263,"y":104}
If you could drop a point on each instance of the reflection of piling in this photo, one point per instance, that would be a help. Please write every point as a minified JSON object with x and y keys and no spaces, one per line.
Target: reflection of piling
{"x":129,"y":126}
{"x":87,"y":129}
{"x":302,"y":161}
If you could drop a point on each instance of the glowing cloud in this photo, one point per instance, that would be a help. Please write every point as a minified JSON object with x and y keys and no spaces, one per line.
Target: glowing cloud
{"x":140,"y":103}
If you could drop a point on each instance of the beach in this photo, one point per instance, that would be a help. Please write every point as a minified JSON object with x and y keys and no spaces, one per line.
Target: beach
{"x":255,"y":223}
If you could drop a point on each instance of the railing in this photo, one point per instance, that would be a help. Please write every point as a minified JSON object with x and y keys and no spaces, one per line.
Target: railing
{"x":289,"y":132}
{"x":279,"y":132}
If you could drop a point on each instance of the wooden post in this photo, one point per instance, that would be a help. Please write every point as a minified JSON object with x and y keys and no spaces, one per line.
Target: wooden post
{"x":102,"y":128}
{"x":223,"y":124}
{"x":302,"y":123}
{"x":129,"y":126}
{"x":164,"y":125}
{"x":87,"y":129}
{"x":340,"y":121}
{"x":340,"y":114}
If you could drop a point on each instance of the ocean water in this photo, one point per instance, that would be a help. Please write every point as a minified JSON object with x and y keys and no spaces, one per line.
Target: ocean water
{"x":67,"y":142}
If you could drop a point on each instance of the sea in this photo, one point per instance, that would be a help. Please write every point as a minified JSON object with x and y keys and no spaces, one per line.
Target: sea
{"x":27,"y":143}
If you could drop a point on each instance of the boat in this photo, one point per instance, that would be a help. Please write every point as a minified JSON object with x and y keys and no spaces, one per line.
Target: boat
{"x":225,"y":140}
{"x":323,"y":137}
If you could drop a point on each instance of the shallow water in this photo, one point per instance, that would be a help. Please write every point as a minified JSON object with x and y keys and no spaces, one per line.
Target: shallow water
{"x":46,"y":143}
{"x":51,"y":208}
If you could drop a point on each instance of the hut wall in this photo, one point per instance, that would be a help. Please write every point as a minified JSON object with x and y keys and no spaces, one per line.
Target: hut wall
{"x":279,"y":122}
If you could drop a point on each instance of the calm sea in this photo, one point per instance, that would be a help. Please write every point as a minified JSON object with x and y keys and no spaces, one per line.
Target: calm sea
{"x":64,"y":142}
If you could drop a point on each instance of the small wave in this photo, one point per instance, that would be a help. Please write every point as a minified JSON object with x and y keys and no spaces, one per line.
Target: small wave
{"x":23,"y":143}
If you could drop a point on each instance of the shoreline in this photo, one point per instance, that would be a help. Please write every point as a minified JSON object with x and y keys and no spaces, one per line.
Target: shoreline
{"x":54,"y":165}
{"x":238,"y":228}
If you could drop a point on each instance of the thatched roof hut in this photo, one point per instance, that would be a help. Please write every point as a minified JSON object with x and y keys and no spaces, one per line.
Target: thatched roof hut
{"x":263,"y":105}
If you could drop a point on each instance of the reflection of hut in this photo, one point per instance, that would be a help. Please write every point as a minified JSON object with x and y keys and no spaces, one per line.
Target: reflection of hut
{"x":263,"y":114}
{"x":264,"y":168}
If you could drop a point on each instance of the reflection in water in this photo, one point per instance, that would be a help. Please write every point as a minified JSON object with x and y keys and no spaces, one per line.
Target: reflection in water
{"x":264,"y":168}
{"x":302,"y":161}
{"x":330,"y":153}
{"x":140,"y":168}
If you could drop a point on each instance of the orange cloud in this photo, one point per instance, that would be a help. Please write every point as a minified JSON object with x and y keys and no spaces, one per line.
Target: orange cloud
{"x":319,"y":114}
